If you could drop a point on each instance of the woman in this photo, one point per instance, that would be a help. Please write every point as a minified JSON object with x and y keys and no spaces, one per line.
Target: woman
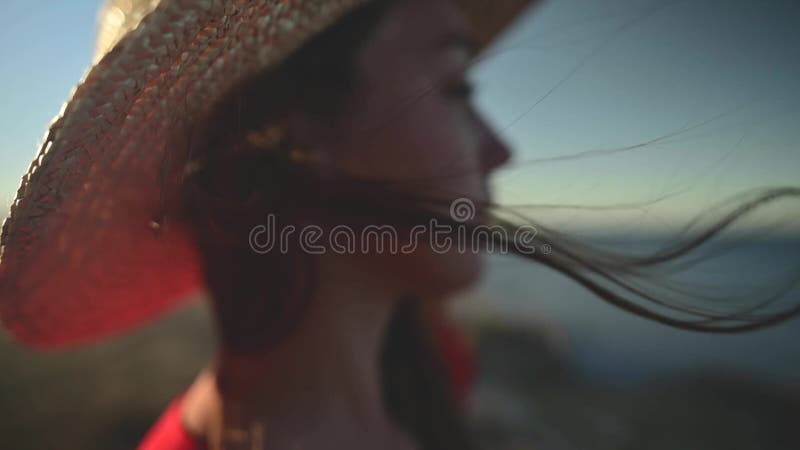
{"x":213,"y":116}
{"x":213,"y":124}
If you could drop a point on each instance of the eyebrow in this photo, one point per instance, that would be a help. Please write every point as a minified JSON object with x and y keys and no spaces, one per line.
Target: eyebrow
{"x":458,"y":40}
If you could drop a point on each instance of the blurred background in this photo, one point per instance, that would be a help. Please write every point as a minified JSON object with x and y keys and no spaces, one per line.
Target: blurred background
{"x":629,"y":118}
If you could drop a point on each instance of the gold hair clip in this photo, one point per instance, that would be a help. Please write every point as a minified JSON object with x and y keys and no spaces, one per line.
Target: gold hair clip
{"x":299,"y":156}
{"x":268,"y":138}
{"x":272,"y":138}
{"x":244,"y":439}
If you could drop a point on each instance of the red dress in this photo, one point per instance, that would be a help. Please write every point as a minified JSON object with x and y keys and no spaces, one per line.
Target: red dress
{"x":169,"y":433}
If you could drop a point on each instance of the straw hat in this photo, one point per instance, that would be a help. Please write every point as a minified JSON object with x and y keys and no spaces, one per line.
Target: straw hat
{"x":84,"y":252}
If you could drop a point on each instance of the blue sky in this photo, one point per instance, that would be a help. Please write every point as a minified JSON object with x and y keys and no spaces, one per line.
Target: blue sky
{"x":575,"y":75}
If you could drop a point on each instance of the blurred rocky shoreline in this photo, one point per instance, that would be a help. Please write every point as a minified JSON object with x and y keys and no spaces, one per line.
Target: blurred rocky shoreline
{"x":529,"y":397}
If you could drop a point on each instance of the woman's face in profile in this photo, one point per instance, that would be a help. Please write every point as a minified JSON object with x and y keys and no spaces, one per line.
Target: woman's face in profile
{"x":413,"y":122}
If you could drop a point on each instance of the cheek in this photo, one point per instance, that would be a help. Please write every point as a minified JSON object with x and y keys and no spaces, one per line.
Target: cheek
{"x":431,"y":139}
{"x":437,"y":140}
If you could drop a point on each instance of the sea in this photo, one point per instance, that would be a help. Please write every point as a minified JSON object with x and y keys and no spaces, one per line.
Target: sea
{"x":607,"y":345}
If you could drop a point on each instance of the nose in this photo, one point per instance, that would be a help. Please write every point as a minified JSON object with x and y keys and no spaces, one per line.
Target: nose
{"x":494,"y":152}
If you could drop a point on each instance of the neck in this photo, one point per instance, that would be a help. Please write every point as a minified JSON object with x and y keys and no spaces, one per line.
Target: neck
{"x":326,"y":375}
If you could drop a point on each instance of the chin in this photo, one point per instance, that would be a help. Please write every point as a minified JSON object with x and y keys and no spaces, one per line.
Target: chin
{"x":431,"y":274}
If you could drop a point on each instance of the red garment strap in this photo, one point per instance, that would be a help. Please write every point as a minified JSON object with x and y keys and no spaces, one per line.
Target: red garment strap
{"x":169,"y":433}
{"x":459,"y":358}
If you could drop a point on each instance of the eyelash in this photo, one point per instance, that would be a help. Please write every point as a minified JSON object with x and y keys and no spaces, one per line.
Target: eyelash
{"x":462,"y":90}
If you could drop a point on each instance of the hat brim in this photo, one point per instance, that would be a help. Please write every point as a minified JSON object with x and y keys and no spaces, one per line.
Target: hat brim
{"x":82,"y":255}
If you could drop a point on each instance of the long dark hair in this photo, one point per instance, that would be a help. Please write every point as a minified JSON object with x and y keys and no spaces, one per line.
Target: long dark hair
{"x":227,"y":184}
